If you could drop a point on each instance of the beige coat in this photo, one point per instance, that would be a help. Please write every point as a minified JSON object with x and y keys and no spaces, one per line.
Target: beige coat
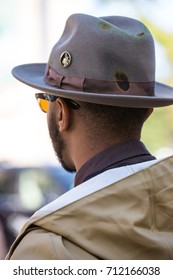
{"x":131,"y":218}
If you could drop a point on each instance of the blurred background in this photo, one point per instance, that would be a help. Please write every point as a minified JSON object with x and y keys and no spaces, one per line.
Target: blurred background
{"x":28,"y":30}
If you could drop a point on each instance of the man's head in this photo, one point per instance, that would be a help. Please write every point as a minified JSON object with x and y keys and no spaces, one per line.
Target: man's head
{"x":92,"y":127}
{"x":107,"y":61}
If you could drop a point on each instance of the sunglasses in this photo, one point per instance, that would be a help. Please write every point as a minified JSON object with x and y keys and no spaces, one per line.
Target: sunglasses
{"x":44,"y":99}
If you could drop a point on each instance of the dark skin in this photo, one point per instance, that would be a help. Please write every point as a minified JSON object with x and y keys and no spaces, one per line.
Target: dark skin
{"x":72,"y":139}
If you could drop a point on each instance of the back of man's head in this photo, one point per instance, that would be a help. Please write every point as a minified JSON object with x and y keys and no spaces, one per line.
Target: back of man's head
{"x":108,"y":122}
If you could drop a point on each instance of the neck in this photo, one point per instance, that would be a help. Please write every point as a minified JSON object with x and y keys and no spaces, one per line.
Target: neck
{"x":83,"y":150}
{"x":82,"y":146}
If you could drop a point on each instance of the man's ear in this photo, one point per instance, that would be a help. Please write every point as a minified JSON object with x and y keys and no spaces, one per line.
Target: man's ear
{"x":63,"y":115}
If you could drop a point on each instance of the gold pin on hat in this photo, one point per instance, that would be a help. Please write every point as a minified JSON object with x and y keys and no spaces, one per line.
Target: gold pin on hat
{"x":65,"y":59}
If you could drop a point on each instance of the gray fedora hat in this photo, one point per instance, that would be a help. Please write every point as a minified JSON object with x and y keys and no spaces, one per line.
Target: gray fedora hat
{"x":108,"y":60}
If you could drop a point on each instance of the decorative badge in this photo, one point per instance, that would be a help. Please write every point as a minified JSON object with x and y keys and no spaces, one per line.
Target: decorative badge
{"x":65,"y":59}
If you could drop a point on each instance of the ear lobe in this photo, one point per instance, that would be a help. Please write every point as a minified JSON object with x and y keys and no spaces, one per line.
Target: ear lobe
{"x":63,"y":115}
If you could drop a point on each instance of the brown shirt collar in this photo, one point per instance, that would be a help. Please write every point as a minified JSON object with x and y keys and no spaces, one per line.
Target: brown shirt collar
{"x":130,"y":152}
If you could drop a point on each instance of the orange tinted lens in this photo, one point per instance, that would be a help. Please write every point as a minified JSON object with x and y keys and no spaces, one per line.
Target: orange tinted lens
{"x":43,"y":104}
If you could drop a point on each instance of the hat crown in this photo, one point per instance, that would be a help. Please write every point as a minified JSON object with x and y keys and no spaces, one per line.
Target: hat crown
{"x":108,"y":60}
{"x":109,"y":48}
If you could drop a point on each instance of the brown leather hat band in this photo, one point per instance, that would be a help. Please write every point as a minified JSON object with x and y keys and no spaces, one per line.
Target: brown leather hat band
{"x":98,"y":86}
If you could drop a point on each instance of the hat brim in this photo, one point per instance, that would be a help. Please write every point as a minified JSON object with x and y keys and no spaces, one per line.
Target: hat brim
{"x":32,"y":75}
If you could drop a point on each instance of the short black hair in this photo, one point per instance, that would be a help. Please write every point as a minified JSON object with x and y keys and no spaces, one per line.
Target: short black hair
{"x":110,"y":121}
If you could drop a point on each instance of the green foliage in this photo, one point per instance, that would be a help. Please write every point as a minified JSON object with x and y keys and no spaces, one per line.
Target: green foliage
{"x":158,"y":129}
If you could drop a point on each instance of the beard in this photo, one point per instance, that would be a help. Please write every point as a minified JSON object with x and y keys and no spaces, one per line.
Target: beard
{"x":58,"y":143}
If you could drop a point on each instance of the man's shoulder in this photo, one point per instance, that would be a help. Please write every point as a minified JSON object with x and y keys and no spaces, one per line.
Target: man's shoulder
{"x":105,"y":179}
{"x":157,"y":170}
